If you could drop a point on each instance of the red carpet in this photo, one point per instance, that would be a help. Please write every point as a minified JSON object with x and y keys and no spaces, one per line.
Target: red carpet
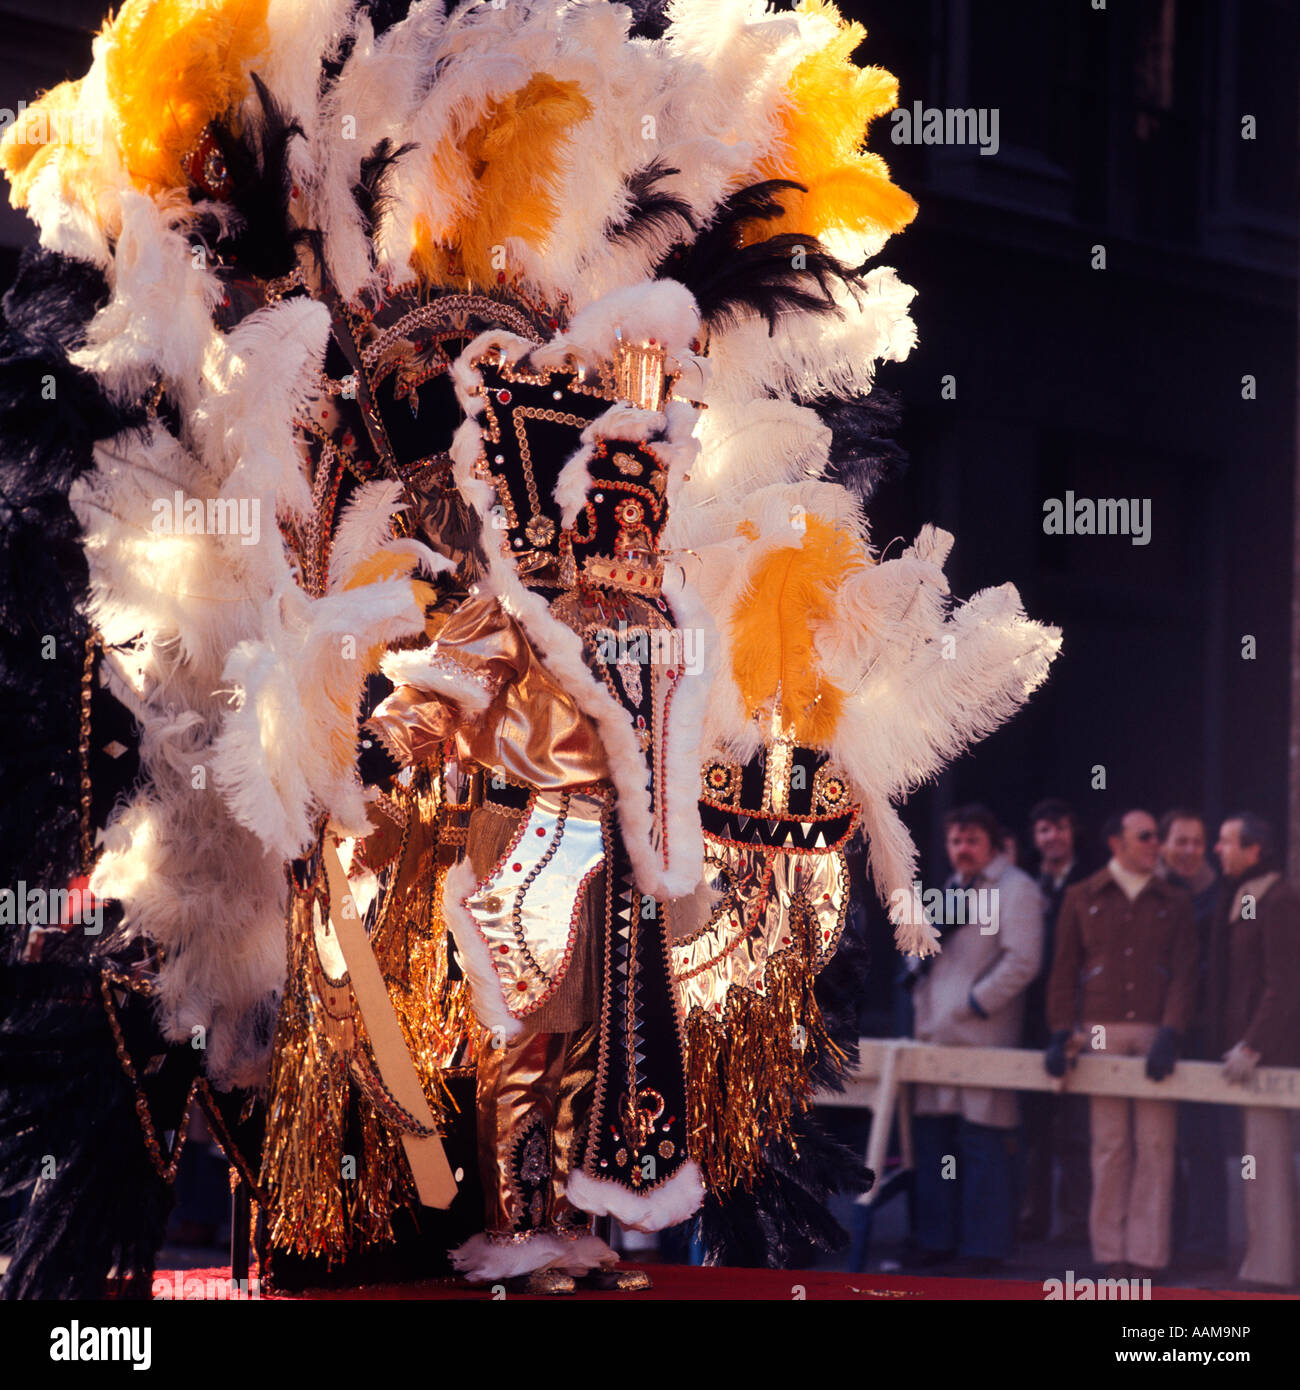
{"x":685,"y":1282}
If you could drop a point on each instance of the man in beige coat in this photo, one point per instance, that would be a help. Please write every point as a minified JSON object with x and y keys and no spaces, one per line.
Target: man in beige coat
{"x":973,"y":995}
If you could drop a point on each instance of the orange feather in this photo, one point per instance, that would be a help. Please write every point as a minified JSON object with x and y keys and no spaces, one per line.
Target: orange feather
{"x":773,"y":652}
{"x":830,"y":104}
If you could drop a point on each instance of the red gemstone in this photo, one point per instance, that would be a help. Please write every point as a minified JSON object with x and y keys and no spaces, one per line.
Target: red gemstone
{"x":516,"y":868}
{"x":505,"y":950}
{"x":541,"y":830}
{"x":504,"y":397}
{"x":522,"y":984}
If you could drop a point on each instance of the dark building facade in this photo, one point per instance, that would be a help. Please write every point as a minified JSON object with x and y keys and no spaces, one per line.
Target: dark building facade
{"x":1167,"y":377}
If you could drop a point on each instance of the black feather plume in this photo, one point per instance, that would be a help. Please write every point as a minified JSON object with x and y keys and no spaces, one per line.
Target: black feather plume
{"x":785,"y":273}
{"x":70,"y":1138}
{"x":863,"y":455}
{"x":652,"y":210}
{"x":785,"y":1220}
{"x":263,"y":240}
{"x":373,"y":191}
{"x":51,"y":414}
{"x":649,"y":18}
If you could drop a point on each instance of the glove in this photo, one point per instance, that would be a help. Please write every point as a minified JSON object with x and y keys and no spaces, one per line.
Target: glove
{"x":1054,"y":1058}
{"x":1163,"y":1054}
{"x":1239,"y":1064}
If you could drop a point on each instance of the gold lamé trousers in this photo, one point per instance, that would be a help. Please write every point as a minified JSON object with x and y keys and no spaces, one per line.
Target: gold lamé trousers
{"x":534,"y":1092}
{"x":534,"y":1099}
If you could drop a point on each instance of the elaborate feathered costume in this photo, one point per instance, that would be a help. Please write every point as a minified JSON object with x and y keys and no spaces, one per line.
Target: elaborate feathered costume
{"x":500,"y":377}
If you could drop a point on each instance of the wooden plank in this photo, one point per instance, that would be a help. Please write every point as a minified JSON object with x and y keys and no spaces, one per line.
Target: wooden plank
{"x":428,"y":1159}
{"x":1021,"y":1069}
{"x":882,"y":1118}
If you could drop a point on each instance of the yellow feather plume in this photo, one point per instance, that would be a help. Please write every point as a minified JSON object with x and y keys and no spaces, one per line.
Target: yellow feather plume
{"x":831,"y":102}
{"x":172,"y":66}
{"x":511,"y":159}
{"x":169,"y":68}
{"x":773,"y":655}
{"x":47,"y":129}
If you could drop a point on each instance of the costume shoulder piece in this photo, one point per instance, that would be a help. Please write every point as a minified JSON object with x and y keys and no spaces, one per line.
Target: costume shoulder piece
{"x":431,"y":426}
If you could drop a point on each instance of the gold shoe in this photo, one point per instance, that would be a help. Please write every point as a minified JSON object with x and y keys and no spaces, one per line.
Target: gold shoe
{"x":542,"y":1281}
{"x":611,"y":1279}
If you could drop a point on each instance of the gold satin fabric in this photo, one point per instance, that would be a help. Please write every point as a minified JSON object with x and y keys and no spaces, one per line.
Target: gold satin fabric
{"x":533,"y":731}
{"x":540,"y":1079}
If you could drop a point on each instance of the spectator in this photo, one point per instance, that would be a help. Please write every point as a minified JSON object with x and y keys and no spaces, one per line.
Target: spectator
{"x":1257,"y":1012}
{"x":973,"y":995}
{"x":1200,"y":1185}
{"x":1183,"y":863}
{"x":1125,"y":973}
{"x":1010,"y":847}
{"x":1056,"y":1127}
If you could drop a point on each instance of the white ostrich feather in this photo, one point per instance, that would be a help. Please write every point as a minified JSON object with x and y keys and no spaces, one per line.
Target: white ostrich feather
{"x":267,"y":375}
{"x":812,"y":355}
{"x":159,"y":319}
{"x":365,"y":527}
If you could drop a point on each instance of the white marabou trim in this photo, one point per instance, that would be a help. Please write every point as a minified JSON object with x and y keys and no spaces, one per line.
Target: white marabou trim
{"x":483,"y":1261}
{"x":677,"y":1199}
{"x":428,"y":668}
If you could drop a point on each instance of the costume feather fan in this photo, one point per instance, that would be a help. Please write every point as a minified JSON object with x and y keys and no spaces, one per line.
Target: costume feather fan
{"x":693,"y":172}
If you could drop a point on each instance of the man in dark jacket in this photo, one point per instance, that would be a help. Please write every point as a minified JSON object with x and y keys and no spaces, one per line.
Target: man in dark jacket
{"x":1257,"y":1012}
{"x":1123,"y":982}
{"x":1200,"y":1182}
{"x":1055,"y":1127}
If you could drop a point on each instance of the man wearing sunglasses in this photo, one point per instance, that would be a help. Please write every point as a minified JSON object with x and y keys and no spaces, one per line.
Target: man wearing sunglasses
{"x":1123,"y":981}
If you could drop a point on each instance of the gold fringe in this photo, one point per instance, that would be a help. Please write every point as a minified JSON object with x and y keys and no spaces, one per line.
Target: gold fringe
{"x":410,"y":943}
{"x":383,"y":1181}
{"x":302,"y":1159}
{"x":749,"y":1078}
{"x":323,"y":1073}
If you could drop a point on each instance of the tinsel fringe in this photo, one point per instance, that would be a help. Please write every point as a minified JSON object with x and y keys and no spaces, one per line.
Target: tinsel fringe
{"x":326,"y":1098}
{"x":302,"y":1162}
{"x":750,"y":1078}
{"x":319,"y":1116}
{"x":410,"y":943}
